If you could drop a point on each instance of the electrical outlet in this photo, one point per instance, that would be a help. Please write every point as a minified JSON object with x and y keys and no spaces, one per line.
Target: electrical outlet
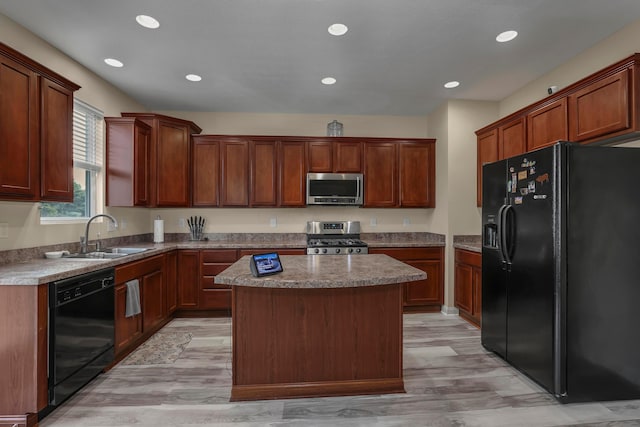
{"x":273,"y":222}
{"x":4,"y":230}
{"x":373,"y":222}
{"x":122,"y":224}
{"x":182,"y":223}
{"x":406,"y":221}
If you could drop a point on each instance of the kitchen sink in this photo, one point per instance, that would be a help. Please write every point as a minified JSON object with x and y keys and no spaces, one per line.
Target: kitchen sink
{"x":110,"y":253}
{"x":125,"y":251}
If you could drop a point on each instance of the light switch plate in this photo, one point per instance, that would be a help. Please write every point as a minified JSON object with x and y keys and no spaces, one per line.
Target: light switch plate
{"x":273,"y":222}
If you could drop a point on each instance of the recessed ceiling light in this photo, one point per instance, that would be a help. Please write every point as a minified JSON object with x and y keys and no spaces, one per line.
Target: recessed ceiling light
{"x":338,"y":29}
{"x":451,"y":84}
{"x":507,"y":36}
{"x":147,"y":21}
{"x":114,"y":62}
{"x":193,"y":77}
{"x":328,"y":81}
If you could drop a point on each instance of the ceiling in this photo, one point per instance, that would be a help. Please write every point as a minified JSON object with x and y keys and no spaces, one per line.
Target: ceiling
{"x":270,"y":55}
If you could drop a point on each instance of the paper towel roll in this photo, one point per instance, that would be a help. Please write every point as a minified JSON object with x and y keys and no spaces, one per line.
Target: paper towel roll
{"x":158,"y":231}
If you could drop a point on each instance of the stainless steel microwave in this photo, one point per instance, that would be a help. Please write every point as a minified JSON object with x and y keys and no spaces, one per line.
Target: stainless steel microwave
{"x":334,"y":189}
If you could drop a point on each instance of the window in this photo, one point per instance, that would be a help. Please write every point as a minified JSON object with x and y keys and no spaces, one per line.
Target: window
{"x":88,"y":134}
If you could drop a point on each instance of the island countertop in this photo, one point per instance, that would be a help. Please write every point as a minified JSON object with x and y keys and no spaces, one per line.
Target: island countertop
{"x":324,"y":271}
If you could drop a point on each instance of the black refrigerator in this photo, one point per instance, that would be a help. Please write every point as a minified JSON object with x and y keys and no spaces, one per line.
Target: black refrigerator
{"x":561,"y":268}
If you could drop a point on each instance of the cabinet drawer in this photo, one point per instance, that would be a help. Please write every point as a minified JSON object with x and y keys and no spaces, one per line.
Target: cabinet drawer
{"x":404,"y":254}
{"x":136,"y":269}
{"x":215,"y":269}
{"x":219,"y":255}
{"x":468,"y":257}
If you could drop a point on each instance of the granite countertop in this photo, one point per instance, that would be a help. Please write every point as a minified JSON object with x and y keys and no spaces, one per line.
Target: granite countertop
{"x":28,"y":267}
{"x":471,"y":243}
{"x":326,"y":271}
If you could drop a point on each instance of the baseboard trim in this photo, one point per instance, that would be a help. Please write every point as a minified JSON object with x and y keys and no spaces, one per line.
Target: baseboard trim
{"x":447,"y":310}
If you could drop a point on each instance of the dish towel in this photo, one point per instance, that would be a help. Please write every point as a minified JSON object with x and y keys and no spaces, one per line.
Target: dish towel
{"x":133,"y":298}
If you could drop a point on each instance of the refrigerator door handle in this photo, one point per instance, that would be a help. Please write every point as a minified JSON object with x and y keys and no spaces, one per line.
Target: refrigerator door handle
{"x":502,"y":236}
{"x":508,"y":225}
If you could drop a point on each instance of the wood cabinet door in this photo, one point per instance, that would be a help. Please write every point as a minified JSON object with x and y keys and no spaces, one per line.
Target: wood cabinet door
{"x":417,"y":174}
{"x":56,"y":142}
{"x":171,"y":282}
{"x":513,"y":138}
{"x":428,"y":291}
{"x":172,"y":164}
{"x":463,"y":287}
{"x":19,"y":139}
{"x":547,"y":125}
{"x":380,"y":174}
{"x":601,"y":108}
{"x":153,"y":303}
{"x":477,"y":294}
{"x":347,"y":156}
{"x":264,"y":173}
{"x":141,"y":159}
{"x":205,"y":186}
{"x":127,"y":329}
{"x":488,"y":152}
{"x":234,"y":181}
{"x":293,"y":174}
{"x":320,"y":156}
{"x":188,"y":278}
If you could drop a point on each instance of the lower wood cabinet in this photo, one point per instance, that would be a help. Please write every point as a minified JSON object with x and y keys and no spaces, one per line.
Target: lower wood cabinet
{"x":424,"y":295}
{"x":197,"y":270}
{"x":468,"y":285}
{"x":151,"y":276}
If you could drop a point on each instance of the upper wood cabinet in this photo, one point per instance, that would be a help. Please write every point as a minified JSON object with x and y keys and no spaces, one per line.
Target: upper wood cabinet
{"x":235,"y":172}
{"x":601,"y":108}
{"x":417,"y":170}
{"x":292,"y":173}
{"x":547,"y":125}
{"x":399,"y":173}
{"x":264,"y":173}
{"x":169,"y":159}
{"x":340,"y":155}
{"x":380,"y":174}
{"x":36,"y":116}
{"x":512,"y":138}
{"x":127,"y":164}
{"x":205,"y":168}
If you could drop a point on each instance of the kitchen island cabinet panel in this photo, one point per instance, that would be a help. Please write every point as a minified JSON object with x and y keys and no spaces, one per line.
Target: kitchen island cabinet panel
{"x":423,"y":295}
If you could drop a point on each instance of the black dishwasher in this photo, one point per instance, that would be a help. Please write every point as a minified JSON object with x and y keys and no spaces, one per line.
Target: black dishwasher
{"x":81,"y":331}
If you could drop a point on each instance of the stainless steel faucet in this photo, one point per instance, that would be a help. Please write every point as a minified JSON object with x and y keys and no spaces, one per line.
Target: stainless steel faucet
{"x":84,"y":240}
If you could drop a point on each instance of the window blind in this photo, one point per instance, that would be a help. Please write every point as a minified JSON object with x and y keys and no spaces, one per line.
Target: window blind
{"x":88,"y":129}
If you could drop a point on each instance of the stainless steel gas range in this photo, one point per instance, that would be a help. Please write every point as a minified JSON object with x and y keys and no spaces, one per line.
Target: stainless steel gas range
{"x":335,"y":238}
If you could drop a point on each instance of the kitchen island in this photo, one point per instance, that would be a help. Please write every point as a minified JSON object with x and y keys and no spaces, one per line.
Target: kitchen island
{"x":326,"y":326}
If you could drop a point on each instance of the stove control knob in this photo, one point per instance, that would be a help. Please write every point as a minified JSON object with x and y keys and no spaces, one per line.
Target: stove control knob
{"x":358,"y":250}
{"x":350,"y":250}
{"x":338,"y":250}
{"x":316,"y":250}
{"x":324,"y":251}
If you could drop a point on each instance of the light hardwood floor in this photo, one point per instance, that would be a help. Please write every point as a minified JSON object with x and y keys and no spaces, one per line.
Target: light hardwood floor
{"x":449,"y":378}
